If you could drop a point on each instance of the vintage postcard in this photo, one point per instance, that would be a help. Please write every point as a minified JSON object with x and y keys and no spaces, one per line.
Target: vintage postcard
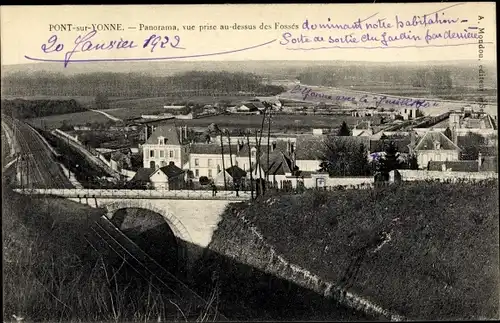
{"x":274,"y":162}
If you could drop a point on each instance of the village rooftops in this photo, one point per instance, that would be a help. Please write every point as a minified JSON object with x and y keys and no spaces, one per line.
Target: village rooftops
{"x":431,"y":138}
{"x":169,"y":133}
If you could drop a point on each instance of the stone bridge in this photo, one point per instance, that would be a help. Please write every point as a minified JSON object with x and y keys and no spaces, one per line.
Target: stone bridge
{"x":192,"y":216}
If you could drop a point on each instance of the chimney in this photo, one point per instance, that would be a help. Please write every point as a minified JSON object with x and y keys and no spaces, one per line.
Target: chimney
{"x":238,"y":147}
{"x":181,"y":135}
{"x":454,"y":135}
{"x":185,"y":132}
{"x":479,"y":161}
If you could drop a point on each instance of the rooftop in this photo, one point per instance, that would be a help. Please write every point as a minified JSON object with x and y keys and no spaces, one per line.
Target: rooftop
{"x":427,"y":142}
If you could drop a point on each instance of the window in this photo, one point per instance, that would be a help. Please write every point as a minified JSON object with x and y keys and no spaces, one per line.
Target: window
{"x":197,"y":173}
{"x":151,"y":164}
{"x":253,"y":153}
{"x":152,"y":153}
{"x":160,"y":141}
{"x":162,"y":154}
{"x":196,"y":162}
{"x":209,"y":162}
{"x":171,"y":153}
{"x":218,"y":169}
{"x":209,"y":173}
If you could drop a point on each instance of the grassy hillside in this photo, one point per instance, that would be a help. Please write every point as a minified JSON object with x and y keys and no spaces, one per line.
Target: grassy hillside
{"x":440,"y":262}
{"x":52,"y":273}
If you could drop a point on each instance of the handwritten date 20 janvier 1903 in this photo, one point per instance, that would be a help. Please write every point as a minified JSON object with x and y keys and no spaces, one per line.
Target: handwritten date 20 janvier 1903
{"x":87,"y":44}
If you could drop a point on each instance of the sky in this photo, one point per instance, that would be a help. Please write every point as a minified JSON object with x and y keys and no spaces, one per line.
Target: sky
{"x":26,"y":30}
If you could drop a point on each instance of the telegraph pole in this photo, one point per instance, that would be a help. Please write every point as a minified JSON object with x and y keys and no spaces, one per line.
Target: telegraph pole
{"x":268,"y":146}
{"x":223,"y":164}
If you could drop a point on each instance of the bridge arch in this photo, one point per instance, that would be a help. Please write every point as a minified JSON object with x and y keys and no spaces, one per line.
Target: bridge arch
{"x":174,"y":223}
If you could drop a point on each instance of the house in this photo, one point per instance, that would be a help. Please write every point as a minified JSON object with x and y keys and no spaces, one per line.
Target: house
{"x":168,"y":177}
{"x":141,"y":178}
{"x":206,"y":159}
{"x":309,"y":152}
{"x":233,"y":173}
{"x":363,"y":128}
{"x":250,"y":107}
{"x":435,"y":146}
{"x":166,"y":144}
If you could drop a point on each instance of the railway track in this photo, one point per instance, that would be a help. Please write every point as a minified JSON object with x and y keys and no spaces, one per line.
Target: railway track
{"x":36,"y":164}
{"x":149,"y":269}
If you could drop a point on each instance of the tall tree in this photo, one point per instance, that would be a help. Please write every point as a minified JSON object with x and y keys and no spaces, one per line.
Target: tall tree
{"x":390,"y":160}
{"x":101,"y":102}
{"x":471,"y":145}
{"x":344,"y":130}
{"x":340,"y":157}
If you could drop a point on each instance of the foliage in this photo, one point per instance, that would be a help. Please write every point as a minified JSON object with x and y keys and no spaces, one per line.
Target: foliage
{"x":437,"y":78}
{"x":20,"y":108}
{"x":138,"y":85}
{"x":55,"y":270}
{"x":342,"y":157}
{"x":471,"y":144}
{"x":441,"y":262}
{"x":390,"y":160}
{"x":101,"y":102}
{"x":344,"y":130}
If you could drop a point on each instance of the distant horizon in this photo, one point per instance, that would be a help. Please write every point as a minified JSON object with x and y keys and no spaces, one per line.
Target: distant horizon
{"x":488,"y":61}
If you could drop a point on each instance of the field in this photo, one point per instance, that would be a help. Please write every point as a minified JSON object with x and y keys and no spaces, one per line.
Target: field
{"x":442,"y":258}
{"x":87,"y":100}
{"x":73,"y":119}
{"x":159,"y":102}
{"x":279,"y":122}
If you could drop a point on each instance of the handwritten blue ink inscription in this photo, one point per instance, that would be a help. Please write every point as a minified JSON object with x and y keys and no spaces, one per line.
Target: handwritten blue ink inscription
{"x":376,"y":31}
{"x":307,"y":92}
{"x":88,"y":43}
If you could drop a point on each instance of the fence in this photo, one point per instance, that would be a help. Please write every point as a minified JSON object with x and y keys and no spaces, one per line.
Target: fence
{"x":139,"y":194}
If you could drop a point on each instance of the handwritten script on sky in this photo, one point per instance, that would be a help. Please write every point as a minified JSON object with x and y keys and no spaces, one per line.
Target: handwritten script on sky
{"x":435,"y":29}
{"x":441,"y":28}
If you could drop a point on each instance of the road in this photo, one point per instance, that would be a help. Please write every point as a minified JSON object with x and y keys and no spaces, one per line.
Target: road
{"x":36,"y":166}
{"x":107,"y":115}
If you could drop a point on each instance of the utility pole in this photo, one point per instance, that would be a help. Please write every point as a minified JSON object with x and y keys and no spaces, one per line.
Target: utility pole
{"x":268,"y":146}
{"x":223,"y":164}
{"x":250,"y":164}
{"x":230,"y":154}
{"x":21,"y":170}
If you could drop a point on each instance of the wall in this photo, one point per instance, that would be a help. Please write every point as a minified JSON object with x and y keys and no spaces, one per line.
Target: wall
{"x":241,"y":240}
{"x":413,"y":175}
{"x":308,"y":165}
{"x":424,"y":156}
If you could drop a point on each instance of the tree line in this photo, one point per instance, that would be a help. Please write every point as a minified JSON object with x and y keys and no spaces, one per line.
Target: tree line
{"x":135,"y":84}
{"x":421,"y":77}
{"x":19,"y":108}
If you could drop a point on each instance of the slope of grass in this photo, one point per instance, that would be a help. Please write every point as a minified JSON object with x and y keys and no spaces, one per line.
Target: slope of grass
{"x":441,"y":261}
{"x":53,"y":274}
